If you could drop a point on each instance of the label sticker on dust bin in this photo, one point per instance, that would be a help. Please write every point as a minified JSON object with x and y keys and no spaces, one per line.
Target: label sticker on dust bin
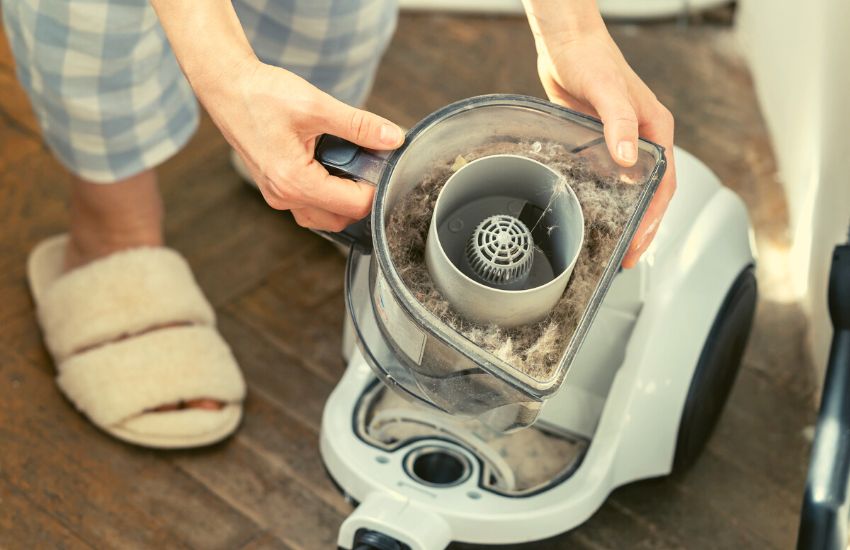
{"x":406,"y":335}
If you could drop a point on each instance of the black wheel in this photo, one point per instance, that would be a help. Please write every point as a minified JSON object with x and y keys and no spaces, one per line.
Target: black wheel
{"x":373,"y":540}
{"x":716,"y":369}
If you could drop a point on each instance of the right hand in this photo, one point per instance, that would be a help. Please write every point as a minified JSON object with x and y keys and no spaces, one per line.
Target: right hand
{"x":272,"y":118}
{"x":584,"y":70}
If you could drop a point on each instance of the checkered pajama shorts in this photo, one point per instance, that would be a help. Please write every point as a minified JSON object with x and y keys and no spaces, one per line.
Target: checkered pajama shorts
{"x":108,"y":92}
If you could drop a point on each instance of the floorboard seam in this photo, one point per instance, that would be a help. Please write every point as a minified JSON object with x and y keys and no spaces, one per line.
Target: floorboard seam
{"x":335,"y":503}
{"x":776,"y":486}
{"x":263,"y":534}
{"x":741,"y":527}
{"x":12,"y":123}
{"x":281,"y":345}
{"x":15,"y":489}
{"x":668,"y":538}
{"x":283,"y":407}
{"x":306,"y":490}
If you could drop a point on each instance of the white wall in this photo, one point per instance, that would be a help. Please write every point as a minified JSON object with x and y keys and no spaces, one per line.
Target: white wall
{"x":799,"y":55}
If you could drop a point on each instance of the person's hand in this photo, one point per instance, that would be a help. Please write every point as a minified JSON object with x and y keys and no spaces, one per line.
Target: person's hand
{"x":584,"y":70}
{"x":272,"y":118}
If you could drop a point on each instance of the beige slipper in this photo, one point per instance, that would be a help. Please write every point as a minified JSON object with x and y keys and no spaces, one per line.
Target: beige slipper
{"x":106,"y":326}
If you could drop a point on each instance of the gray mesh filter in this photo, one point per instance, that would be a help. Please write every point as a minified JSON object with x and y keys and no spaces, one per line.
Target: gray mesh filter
{"x":500,"y":251}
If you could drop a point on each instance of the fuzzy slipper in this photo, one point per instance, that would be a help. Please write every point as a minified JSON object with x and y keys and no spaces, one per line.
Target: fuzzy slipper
{"x":131,"y":332}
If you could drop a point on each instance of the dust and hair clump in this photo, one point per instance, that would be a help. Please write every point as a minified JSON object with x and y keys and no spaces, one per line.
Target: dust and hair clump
{"x":536,"y":348}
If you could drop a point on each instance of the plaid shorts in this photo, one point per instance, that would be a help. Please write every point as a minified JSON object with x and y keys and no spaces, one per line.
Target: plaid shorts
{"x":111,"y":99}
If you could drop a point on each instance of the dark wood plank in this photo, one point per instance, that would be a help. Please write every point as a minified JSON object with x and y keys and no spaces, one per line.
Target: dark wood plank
{"x":437,"y":59}
{"x":273,"y":474}
{"x":293,"y":447}
{"x":263,"y":489}
{"x":32,"y":207}
{"x":778,"y":351}
{"x":614,"y":523}
{"x":25,"y":525}
{"x":111,"y":494}
{"x":19,"y":131}
{"x":694,"y":521}
{"x":266,"y":541}
{"x":763,"y":431}
{"x":300,"y":315}
{"x":233,"y":244}
{"x":280,"y":376}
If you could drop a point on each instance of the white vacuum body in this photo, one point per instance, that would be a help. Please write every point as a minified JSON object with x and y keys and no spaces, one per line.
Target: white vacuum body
{"x":655,"y":365}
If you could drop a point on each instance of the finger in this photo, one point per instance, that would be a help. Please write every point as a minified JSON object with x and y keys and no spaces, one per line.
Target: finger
{"x":611,"y":101}
{"x":654,"y":214}
{"x":322,"y":220}
{"x":652,"y":217}
{"x":645,"y":234}
{"x":657,"y":125}
{"x":358,"y":126}
{"x":316,"y":188}
{"x":647,"y":229}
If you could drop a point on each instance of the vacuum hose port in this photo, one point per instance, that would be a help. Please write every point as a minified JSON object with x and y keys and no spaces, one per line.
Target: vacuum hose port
{"x":437,"y":466}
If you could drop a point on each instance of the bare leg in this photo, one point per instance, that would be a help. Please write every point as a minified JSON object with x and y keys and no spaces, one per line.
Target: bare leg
{"x":109,"y":218}
{"x":121,"y":215}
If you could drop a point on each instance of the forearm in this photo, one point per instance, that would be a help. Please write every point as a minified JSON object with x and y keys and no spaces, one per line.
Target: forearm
{"x":207,"y":39}
{"x":562,"y":19}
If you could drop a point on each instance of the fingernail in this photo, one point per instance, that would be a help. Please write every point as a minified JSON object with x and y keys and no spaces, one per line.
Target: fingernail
{"x":391,"y":135}
{"x":627,"y":151}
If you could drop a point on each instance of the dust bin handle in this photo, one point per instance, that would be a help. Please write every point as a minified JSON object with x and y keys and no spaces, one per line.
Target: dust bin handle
{"x":346,"y":160}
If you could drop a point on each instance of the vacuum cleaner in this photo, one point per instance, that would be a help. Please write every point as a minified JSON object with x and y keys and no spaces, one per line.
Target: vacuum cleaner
{"x":824,"y":518}
{"x":439,"y":438}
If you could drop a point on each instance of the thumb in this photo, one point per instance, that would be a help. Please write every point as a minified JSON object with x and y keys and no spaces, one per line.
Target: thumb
{"x":619,"y":121}
{"x":361,"y":127}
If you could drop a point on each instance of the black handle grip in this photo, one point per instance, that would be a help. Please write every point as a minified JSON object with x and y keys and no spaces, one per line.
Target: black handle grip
{"x":347,"y":160}
{"x":823,"y":522}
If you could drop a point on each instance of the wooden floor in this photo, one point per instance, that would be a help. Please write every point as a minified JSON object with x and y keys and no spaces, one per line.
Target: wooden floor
{"x":278,"y":294}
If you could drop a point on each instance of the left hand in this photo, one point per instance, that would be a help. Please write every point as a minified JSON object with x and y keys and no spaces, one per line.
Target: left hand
{"x":585,"y":71}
